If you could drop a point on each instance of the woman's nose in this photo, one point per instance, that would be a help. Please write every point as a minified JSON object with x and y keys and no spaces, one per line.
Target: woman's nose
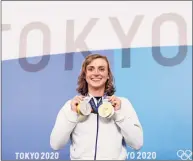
{"x":96,"y":71}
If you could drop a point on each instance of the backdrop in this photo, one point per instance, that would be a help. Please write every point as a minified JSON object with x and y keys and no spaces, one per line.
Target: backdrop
{"x":148,"y":44}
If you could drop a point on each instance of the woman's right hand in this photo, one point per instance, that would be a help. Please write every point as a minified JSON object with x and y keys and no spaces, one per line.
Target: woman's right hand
{"x":75,"y":101}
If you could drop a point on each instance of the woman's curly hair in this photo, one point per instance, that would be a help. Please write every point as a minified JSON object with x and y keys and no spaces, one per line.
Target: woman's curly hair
{"x":82,"y":84}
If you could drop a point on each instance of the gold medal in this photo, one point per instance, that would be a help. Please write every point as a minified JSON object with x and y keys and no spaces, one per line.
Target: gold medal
{"x":78,"y":109}
{"x":106,"y":110}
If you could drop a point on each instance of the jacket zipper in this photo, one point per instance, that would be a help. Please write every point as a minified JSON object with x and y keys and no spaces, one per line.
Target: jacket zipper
{"x":96,"y":137}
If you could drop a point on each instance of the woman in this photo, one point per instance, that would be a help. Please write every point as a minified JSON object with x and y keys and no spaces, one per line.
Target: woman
{"x":96,"y":137}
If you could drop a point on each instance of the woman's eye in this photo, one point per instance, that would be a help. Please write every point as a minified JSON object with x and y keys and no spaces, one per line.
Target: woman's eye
{"x":102,"y":69}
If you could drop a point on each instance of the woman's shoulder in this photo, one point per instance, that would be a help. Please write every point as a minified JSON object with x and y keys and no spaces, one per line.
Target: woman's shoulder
{"x":124,"y":99}
{"x":126,"y":103}
{"x":66,"y":104}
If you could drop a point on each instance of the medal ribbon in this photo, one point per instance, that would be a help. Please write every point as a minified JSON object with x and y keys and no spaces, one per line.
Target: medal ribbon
{"x":94,"y":106}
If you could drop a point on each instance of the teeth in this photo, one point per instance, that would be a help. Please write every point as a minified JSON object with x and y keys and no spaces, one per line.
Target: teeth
{"x":96,"y":79}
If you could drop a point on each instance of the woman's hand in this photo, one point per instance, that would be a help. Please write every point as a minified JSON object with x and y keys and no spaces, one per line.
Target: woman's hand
{"x":75,"y":101}
{"x":115,"y":101}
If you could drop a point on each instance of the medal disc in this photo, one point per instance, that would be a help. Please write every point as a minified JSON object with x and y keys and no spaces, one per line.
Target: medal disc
{"x":84,"y":108}
{"x":106,"y":109}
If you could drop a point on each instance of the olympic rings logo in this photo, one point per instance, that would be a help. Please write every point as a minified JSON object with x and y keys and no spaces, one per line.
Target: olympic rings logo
{"x":184,"y":154}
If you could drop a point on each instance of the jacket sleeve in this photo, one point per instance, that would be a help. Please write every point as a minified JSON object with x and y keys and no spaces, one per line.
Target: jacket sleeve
{"x":131,"y":129}
{"x":65,"y":123}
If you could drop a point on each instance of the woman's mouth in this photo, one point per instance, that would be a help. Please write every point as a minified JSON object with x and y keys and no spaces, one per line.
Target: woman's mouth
{"x":96,"y":79}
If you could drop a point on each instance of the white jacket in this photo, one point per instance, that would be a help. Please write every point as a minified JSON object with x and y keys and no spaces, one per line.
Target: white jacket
{"x":96,"y":137}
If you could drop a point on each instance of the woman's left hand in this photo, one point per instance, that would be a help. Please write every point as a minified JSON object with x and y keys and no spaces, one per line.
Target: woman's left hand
{"x":115,"y":101}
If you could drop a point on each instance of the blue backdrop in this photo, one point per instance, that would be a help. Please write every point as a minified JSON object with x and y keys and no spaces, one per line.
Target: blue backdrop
{"x":161,"y":96}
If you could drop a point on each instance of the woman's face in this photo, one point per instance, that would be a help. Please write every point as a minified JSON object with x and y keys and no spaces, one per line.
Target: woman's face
{"x":97,"y":73}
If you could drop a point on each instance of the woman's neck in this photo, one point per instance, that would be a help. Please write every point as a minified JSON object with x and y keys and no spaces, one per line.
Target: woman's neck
{"x":96,"y":92}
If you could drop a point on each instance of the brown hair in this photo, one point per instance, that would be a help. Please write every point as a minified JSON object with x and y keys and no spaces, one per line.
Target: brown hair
{"x":82,"y":84}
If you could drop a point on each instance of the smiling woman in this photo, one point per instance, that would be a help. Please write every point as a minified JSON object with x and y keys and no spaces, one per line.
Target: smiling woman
{"x":96,"y":75}
{"x":98,"y":123}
